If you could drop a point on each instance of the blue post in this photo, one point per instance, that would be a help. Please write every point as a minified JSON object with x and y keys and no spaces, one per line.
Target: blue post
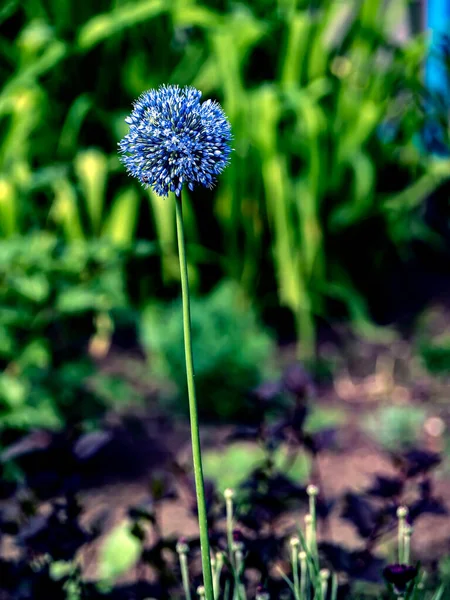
{"x":438,"y":25}
{"x":437,"y":74}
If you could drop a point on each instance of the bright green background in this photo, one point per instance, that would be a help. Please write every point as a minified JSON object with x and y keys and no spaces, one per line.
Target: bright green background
{"x":326,"y":186}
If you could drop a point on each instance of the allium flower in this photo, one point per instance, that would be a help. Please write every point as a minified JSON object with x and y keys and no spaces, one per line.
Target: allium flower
{"x":174,"y":139}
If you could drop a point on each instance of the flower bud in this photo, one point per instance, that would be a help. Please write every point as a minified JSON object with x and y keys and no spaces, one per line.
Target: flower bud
{"x":182,"y":546}
{"x":402,"y":512}
{"x":312,"y":490}
{"x":228,"y":494}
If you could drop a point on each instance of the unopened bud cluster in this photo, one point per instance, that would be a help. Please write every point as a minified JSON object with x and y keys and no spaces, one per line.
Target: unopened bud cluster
{"x":182,"y":546}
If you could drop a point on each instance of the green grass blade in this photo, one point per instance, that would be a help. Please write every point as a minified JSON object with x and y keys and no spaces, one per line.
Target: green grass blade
{"x":121,"y":222}
{"x":69,"y":134}
{"x":91,"y":167}
{"x":103,"y":26}
{"x":65,"y":211}
{"x":8,"y":208}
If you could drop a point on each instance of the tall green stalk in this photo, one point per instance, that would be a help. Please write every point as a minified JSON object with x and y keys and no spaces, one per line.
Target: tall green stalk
{"x":193,"y":413}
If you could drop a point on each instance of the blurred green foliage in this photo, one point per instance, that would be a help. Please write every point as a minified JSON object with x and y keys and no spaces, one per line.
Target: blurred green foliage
{"x":321,"y":418}
{"x":436,"y":354}
{"x":327,"y":180}
{"x":51,"y":297}
{"x":118,"y":553}
{"x":396,"y":427}
{"x":432,"y":340}
{"x":231,"y":351}
{"x":326,"y":110}
{"x":229,"y":467}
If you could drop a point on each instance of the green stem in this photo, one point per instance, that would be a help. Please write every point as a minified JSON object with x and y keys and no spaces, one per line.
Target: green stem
{"x":217,"y":573}
{"x":239,"y":590}
{"x":303,"y":574}
{"x":401,"y":541}
{"x":229,"y":515}
{"x":185,"y":575}
{"x":294,"y":560}
{"x":195,"y":434}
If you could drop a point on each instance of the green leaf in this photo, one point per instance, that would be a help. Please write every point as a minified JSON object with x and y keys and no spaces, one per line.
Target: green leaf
{"x":13,"y":391}
{"x":6,"y":342}
{"x":72,"y":125}
{"x":103,"y":26}
{"x":413,"y":195}
{"x":27,"y":416}
{"x":121,"y":222}
{"x":163,"y":212}
{"x":396,"y":426}
{"x":80,"y":299}
{"x":119,"y":553}
{"x":65,"y":210}
{"x":91,"y":167}
{"x":54,"y":53}
{"x":229,"y":467}
{"x":35,"y":354}
{"x":32,"y":287}
{"x":8,"y":208}
{"x":296,"y":44}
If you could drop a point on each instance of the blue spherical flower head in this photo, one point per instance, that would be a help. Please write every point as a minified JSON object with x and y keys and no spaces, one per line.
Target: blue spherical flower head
{"x":174,"y":139}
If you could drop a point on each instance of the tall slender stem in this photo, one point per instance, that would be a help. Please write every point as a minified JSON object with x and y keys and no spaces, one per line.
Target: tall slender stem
{"x":193,"y":413}
{"x":295,"y":542}
{"x":185,"y":574}
{"x":229,"y":514}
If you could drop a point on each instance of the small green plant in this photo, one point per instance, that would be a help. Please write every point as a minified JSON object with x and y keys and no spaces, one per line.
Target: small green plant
{"x":308,"y":580}
{"x":232,"y":351}
{"x":405,"y":581}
